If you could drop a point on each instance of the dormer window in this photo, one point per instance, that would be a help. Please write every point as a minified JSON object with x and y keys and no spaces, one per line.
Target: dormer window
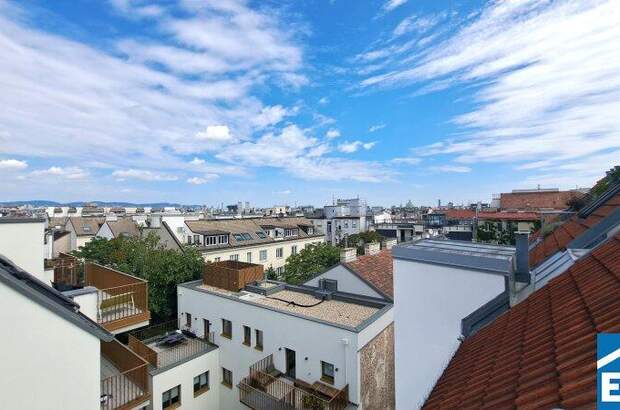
{"x":223,"y":239}
{"x":210,"y":240}
{"x":290,"y":232}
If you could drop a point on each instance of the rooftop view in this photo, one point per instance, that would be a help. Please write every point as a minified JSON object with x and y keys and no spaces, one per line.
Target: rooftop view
{"x":310,"y":205}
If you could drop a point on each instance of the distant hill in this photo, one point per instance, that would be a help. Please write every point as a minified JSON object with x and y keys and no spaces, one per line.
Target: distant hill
{"x":37,"y":203}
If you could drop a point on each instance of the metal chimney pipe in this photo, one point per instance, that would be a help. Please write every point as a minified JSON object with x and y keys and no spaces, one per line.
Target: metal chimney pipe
{"x":522,"y":261}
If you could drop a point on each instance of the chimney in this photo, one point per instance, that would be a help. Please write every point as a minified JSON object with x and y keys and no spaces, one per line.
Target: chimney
{"x":389,"y":243}
{"x":372,"y":248}
{"x":348,"y":255}
{"x":522,"y":265}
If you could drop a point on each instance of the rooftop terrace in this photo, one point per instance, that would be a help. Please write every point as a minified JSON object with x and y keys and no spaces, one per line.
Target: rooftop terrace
{"x":337,"y":308}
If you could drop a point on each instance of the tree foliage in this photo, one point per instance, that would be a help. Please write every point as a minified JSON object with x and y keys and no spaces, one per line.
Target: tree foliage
{"x":163,"y":268}
{"x":309,"y":261}
{"x":358,"y":240}
{"x":611,"y":177}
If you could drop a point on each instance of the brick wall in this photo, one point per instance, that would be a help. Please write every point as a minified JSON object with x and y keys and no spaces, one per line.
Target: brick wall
{"x":377,"y":376}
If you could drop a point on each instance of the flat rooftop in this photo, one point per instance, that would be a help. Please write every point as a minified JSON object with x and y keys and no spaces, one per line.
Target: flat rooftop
{"x":342,"y":309}
{"x":468,"y":255}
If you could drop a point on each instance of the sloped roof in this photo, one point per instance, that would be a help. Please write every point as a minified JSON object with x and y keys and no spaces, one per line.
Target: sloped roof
{"x":509,"y":216}
{"x":249,"y":226}
{"x":48,"y":297}
{"x":572,"y":228}
{"x":542,"y":352}
{"x":376,"y":269}
{"x":460,"y":213}
{"x":123,"y":226}
{"x":86,"y":226}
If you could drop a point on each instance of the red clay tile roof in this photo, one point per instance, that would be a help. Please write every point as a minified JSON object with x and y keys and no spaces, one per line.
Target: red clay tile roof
{"x":537,"y":200}
{"x":542,"y":352}
{"x":569,"y":230}
{"x":460,"y":213}
{"x":376,"y":269}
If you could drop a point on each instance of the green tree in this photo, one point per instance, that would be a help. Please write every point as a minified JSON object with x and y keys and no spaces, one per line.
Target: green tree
{"x":163,"y":268}
{"x":611,"y":177}
{"x":309,"y":261}
{"x":271,"y":274}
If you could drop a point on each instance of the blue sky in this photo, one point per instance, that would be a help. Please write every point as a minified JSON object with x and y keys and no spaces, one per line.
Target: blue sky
{"x":301,"y":101}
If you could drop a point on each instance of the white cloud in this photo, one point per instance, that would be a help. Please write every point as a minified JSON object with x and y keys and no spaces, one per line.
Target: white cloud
{"x":392,"y":4}
{"x":332,"y":133}
{"x":417,"y":24}
{"x":406,"y":160}
{"x":459,"y":169}
{"x":143,"y":175}
{"x":352,"y":146}
{"x":12,"y":164}
{"x":283,"y":192}
{"x":324,"y":100}
{"x":377,"y":127}
{"x":202,"y":180}
{"x":63,"y":99}
{"x":61,"y":172}
{"x":197,"y":161}
{"x":216,"y":133}
{"x":546,"y":77}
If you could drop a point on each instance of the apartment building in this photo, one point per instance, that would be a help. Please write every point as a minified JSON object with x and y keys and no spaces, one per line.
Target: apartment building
{"x":56,"y":357}
{"x":265,"y":241}
{"x":83,"y":229}
{"x":344,"y":218}
{"x":116,"y":227}
{"x":297,"y":346}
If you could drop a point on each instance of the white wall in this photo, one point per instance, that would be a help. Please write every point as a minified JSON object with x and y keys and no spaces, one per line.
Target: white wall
{"x":23,"y":243}
{"x":308,"y":338}
{"x":347,"y":282}
{"x":430,"y":301}
{"x":47,"y":362}
{"x":105,"y":232}
{"x":87,"y":299}
{"x":183,"y":375}
{"x":272,"y":260}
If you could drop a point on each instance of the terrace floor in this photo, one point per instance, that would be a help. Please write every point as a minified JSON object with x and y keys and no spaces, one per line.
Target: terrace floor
{"x":120,"y":390}
{"x":169,"y":355}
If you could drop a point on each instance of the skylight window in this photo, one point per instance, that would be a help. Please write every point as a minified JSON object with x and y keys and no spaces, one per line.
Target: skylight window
{"x":238,"y":237}
{"x":261,"y":235}
{"x":246,"y":236}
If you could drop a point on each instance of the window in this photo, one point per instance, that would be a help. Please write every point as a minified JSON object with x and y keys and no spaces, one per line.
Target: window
{"x":262,"y":255}
{"x":207,"y":328}
{"x":197,"y":239}
{"x":189,"y":239}
{"x":223,"y":239}
{"x":279,"y":252}
{"x":210,"y":240}
{"x":261,"y":235}
{"x":328,"y":284}
{"x":327,"y":372}
{"x":290,"y":232}
{"x":234,"y":257}
{"x":227,"y":328}
{"x":294,"y":250}
{"x":227,"y":378}
{"x":247,"y":336}
{"x":246,"y":236}
{"x":237,"y":236}
{"x":201,"y":383}
{"x":171,"y":397}
{"x":249,"y":257}
{"x":259,"y":339}
{"x":353,"y":224}
{"x":280,"y":270}
{"x":217,"y":259}
{"x":188,"y":320}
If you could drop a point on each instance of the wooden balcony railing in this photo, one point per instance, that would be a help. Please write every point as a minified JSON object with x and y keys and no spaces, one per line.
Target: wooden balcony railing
{"x":128,"y":385}
{"x":262,"y":391}
{"x":122,"y":299}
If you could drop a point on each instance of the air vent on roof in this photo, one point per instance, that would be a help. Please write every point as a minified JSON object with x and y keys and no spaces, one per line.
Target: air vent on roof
{"x":323,"y":294}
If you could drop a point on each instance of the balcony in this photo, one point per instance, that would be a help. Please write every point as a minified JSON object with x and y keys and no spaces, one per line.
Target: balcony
{"x":122,"y":299}
{"x":124,"y":378}
{"x":164,"y":345}
{"x":265,"y":389}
